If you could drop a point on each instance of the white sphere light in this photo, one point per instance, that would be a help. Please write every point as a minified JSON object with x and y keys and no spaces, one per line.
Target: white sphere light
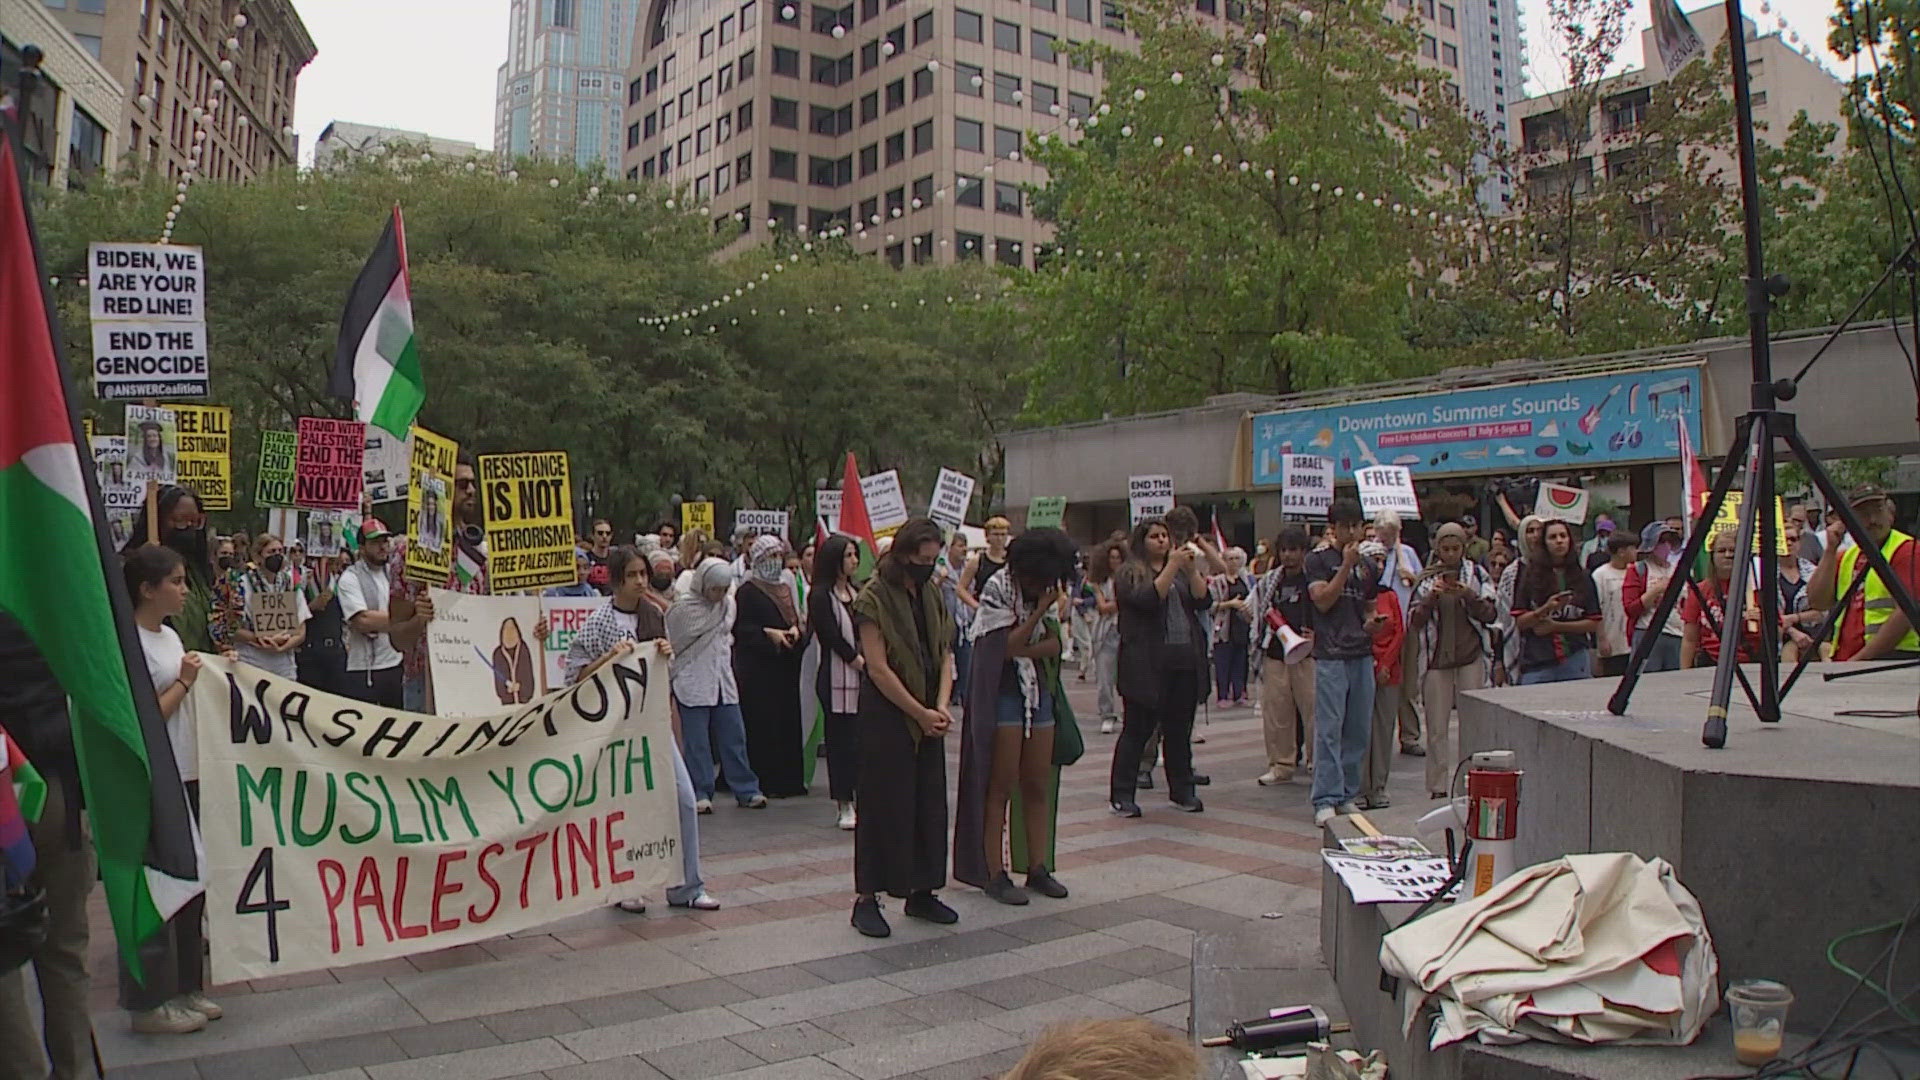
{"x":1043,"y":138}
{"x":787,"y":12}
{"x":1217,"y":159}
{"x":1187,"y":150}
{"x":916,"y":204}
{"x":1260,"y":38}
{"x":145,"y":101}
{"x":553,"y":181}
{"x":1106,"y":109}
{"x":933,"y":65}
{"x":514,"y":174}
{"x":233,"y":44}
{"x":242,"y":121}
{"x":1314,"y":187}
{"x":839,"y":31}
{"x":1338,"y":192}
{"x":1138,"y":95}
{"x":1246,"y":166}
{"x":287,"y":131}
{"x":1269,"y":174}
{"x":977,"y":82}
{"x":886,"y":48}
{"x":1018,"y":97}
{"x":633,"y":198}
{"x":1176,"y":78}
{"x":1126,"y":130}
{"x":1053,"y":110}
{"x":592,"y":192}
{"x":196,"y":112}
{"x":1159,"y":140}
{"x":1216,"y":59}
{"x":239,"y":22}
{"x":181,"y":186}
{"x":218,"y":85}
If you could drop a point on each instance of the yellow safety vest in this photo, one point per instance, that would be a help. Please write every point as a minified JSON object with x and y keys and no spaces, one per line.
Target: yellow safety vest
{"x":1876,"y":596}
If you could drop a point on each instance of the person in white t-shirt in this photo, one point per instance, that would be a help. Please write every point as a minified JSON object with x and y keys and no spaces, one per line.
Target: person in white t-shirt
{"x":374,"y":669}
{"x":1609,"y":580}
{"x":170,"y":1000}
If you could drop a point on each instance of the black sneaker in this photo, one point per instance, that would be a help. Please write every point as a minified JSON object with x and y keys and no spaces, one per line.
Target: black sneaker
{"x":925,"y":905}
{"x":868,"y":920}
{"x":1128,"y":808}
{"x":1145,"y":781}
{"x":1202,"y":779}
{"x":1192,"y":805}
{"x":1038,"y":880}
{"x":1003,"y":889}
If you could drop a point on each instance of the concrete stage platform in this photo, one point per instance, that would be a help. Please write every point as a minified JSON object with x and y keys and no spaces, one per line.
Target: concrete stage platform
{"x":1791,"y":835}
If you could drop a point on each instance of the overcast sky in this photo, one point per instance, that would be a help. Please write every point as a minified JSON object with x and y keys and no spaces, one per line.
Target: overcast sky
{"x":428,"y":65}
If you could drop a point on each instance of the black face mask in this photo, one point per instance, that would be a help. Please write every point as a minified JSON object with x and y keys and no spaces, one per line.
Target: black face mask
{"x":919,"y":574}
{"x":190,"y":543}
{"x":274,"y":562}
{"x":661,"y":582}
{"x":226,"y":562}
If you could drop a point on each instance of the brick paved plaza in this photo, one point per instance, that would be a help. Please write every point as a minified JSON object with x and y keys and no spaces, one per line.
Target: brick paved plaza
{"x":776,"y":985}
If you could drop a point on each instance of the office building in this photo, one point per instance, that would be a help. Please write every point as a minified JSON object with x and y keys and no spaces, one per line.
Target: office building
{"x":168,"y":55}
{"x":1784,"y":82}
{"x":341,"y":141}
{"x":70,"y":111}
{"x":559,"y":93}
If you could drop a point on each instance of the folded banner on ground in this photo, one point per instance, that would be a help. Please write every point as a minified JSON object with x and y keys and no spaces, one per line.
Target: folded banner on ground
{"x":339,"y":833}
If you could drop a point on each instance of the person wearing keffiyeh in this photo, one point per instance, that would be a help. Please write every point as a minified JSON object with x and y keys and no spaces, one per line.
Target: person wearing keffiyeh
{"x":769,"y":645}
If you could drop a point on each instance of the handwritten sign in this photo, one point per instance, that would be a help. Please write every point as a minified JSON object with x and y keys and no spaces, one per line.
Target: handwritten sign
{"x":429,"y":522}
{"x":1047,"y":512}
{"x":886,"y":506}
{"x":206,"y":453}
{"x":826,"y":506}
{"x":1306,"y":488}
{"x":273,"y":612}
{"x":952,"y":494}
{"x":327,"y":459}
{"x":1390,"y":881}
{"x":274,"y":486}
{"x":528,"y":505}
{"x":1387,"y":487}
{"x":1148,"y":496}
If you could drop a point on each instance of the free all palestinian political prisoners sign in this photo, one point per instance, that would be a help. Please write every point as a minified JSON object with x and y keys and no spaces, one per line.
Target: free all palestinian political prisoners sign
{"x":338,"y":833}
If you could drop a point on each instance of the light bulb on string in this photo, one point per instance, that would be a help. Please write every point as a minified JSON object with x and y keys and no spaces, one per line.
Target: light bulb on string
{"x":1260,"y":38}
{"x":1138,"y":95}
{"x":1216,"y":59}
{"x":1176,"y":78}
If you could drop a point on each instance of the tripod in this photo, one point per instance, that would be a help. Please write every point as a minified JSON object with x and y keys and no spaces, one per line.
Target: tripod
{"x":1752,"y":456}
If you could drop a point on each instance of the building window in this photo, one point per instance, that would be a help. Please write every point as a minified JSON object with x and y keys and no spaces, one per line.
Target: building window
{"x":722,"y":178}
{"x":686,"y":102}
{"x":783,"y":165}
{"x":821,"y":120}
{"x":896,"y":148}
{"x":666,"y":161}
{"x":1006,"y":142}
{"x":1450,"y":56}
{"x":1112,"y":17}
{"x":727,"y":32}
{"x":923,"y":249}
{"x":634,"y":91}
{"x":1758,"y":98}
{"x":1006,"y":36}
{"x":743,"y":168}
{"x":922,"y":192}
{"x":1046,"y":99}
{"x":968,"y":134}
{"x":869,"y":9}
{"x":782,"y":216}
{"x":86,"y":149}
{"x":969,"y":80}
{"x":826,"y":18}
{"x":646,"y":168}
{"x":896,"y":202}
{"x":1046,"y":47}
{"x":703,"y":139}
{"x":969,"y":191}
{"x":1006,"y":88}
{"x":923,"y":28}
{"x":966,"y":245}
{"x":746,"y":116}
{"x":967,"y":25}
{"x":700,"y":188}
{"x":1080,"y":105}
{"x":706,"y":90}
{"x":896,"y":94}
{"x":723,"y":128}
{"x":786,"y":62}
{"x":1076,"y":61}
{"x":726,"y":77}
{"x":869,"y":212}
{"x":1206,"y":7}
{"x":1006,"y":197}
{"x":706,"y":44}
{"x":649,"y":126}
{"x":786,"y":113}
{"x":870,"y":107}
{"x":870,"y":56}
{"x":1429,"y":47}
{"x":1006,"y":251}
{"x":653,"y":79}
{"x":1449,"y":18}
{"x":820,"y":171}
{"x":563,"y":14}
{"x":923,"y":136}
{"x":897,"y":37}
{"x":746,"y":66}
{"x":869,"y":159}
{"x":1045,"y":5}
{"x":896,"y":255}
{"x":685,"y":155}
{"x":832,"y":70}
{"x":922,"y":83}
{"x":633,"y":134}
{"x":1080,"y":10}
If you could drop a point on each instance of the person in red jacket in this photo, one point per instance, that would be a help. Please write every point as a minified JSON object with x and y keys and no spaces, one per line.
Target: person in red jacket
{"x":1704,"y":611}
{"x":1647,"y":578}
{"x":1389,"y":628}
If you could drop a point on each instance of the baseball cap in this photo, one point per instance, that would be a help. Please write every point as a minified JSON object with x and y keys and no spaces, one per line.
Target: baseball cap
{"x":1655,"y":531}
{"x":1373,"y":548}
{"x":373,"y":529}
{"x":1866,"y":493}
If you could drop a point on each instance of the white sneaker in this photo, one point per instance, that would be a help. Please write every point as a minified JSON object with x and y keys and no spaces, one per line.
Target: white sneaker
{"x":1274,"y":776}
{"x":1349,"y":808}
{"x":633,"y":907}
{"x":703,"y":806}
{"x":847,"y":820}
{"x":1106,"y":727}
{"x":1323,"y":815}
{"x":168,"y":1019}
{"x":201,"y":1004}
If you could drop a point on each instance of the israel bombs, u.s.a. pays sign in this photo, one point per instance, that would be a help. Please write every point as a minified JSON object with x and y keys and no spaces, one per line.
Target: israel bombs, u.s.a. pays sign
{"x":527,"y":500}
{"x":339,"y":833}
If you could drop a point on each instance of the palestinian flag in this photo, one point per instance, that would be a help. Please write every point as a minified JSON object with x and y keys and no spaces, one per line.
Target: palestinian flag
{"x":853,"y":517}
{"x":60,"y":579}
{"x":22,"y":794}
{"x":376,"y":363}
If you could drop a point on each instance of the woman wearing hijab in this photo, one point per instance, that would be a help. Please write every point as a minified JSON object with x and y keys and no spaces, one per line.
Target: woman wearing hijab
{"x":769,"y":641}
{"x":700,"y":630}
{"x":1531,"y":528}
{"x":513,"y":666}
{"x":837,"y":683}
{"x":906,"y":639}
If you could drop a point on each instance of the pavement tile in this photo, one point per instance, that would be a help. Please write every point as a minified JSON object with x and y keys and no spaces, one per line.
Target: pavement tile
{"x":348,"y":1051}
{"x":801,"y":1069}
{"x":657,"y":1033}
{"x":704,"y":994}
{"x":786,"y":979}
{"x":1098,"y":916}
{"x":872,"y":1024}
{"x":265,"y":1063}
{"x":1178,"y":1017}
{"x":788,"y":1041}
{"x":1015,"y":992}
{"x":947,"y":948}
{"x":1140,"y":995}
{"x":159,"y":1070}
{"x":985,"y":1067}
{"x":1174,"y":939}
{"x":444,"y":1038}
{"x":947,"y":1007}
{"x":1146,"y":960}
{"x":920,"y":1050}
{"x":859,"y":965}
{"x":624,"y":1068}
{"x":441,"y":959}
{"x":1045,"y":928}
{"x":618,"y":1008}
{"x":962,"y":973}
{"x":1087,"y":975}
{"x":297,"y":981}
{"x":1026,"y":1023}
{"x":700,"y":1060}
{"x":819,"y":1001}
{"x":533,"y":1023}
{"x":481,"y":1063}
{"x":532,"y":945}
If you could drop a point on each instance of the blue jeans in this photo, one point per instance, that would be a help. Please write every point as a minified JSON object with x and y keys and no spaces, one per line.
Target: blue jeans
{"x":711,"y":729}
{"x":1577,"y":665}
{"x":1229,"y":671}
{"x":1665,"y":655}
{"x":690,"y":886}
{"x":1342,"y":727}
{"x":962,"y":669}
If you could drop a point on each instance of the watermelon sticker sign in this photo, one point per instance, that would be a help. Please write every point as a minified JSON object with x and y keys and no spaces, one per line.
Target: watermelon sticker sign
{"x":1558,"y":502}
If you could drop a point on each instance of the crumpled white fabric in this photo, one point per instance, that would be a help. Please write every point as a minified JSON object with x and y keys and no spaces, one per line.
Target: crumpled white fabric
{"x":1555,"y":953}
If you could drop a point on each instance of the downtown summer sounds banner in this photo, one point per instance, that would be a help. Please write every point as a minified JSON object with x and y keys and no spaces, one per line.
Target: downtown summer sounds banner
{"x":337,"y":832}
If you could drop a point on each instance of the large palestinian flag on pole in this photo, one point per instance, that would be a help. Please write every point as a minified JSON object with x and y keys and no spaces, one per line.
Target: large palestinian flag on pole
{"x":60,"y":578}
{"x":376,"y":363}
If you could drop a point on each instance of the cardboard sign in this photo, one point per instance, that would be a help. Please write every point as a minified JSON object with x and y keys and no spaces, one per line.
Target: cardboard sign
{"x":1387,"y":487}
{"x":952,"y":494}
{"x":386,"y":464}
{"x":527,"y":501}
{"x":274,"y":486}
{"x":430,"y":508}
{"x":1306,"y":488}
{"x":481,"y":652}
{"x":886,"y":506}
{"x":565,"y":616}
{"x":273,"y":612}
{"x":327,"y":459}
{"x":146,"y":282}
{"x":1148,"y":496}
{"x":149,"y":360}
{"x":1047,"y":512}
{"x":696,"y":515}
{"x":760,"y":523}
{"x":826,"y":507}
{"x":339,"y":833}
{"x":153,"y":445}
{"x":206,"y":453}
{"x":1559,"y":502}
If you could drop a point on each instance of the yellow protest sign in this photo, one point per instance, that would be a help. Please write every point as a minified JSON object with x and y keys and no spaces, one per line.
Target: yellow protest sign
{"x":206,"y":453}
{"x":696,"y":515}
{"x":528,"y":502}
{"x":429,"y":505}
{"x":1729,"y":519}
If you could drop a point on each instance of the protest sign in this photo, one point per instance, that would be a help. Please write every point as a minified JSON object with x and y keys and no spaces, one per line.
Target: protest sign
{"x":429,"y":506}
{"x":1387,"y":487}
{"x":153,"y":445}
{"x":528,"y":505}
{"x":1391,"y":881}
{"x":206,"y":453}
{"x":481,"y":652}
{"x":1047,"y":512}
{"x":1729,"y":519}
{"x":952,"y":494}
{"x":274,"y":486}
{"x":327,"y":463}
{"x":696,"y":515}
{"x":760,"y":523}
{"x":338,"y":833}
{"x":385,"y":465}
{"x":273,"y":611}
{"x":1306,"y":488}
{"x":565,"y":616}
{"x":325,"y":531}
{"x":121,"y":500}
{"x":152,"y":282}
{"x":826,"y":507}
{"x":149,"y":360}
{"x":1148,"y":496}
{"x":1559,"y":502}
{"x":886,"y":505}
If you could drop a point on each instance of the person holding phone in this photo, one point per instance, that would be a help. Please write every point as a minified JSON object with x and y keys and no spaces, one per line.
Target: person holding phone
{"x":1454,"y":617}
{"x":1555,"y":611}
{"x":1342,"y":586}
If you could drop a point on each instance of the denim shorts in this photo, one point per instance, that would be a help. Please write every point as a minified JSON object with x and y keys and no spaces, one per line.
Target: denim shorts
{"x":1011,"y":711}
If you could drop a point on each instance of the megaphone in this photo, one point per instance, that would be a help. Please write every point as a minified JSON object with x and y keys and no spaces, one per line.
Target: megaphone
{"x":1294,"y":648}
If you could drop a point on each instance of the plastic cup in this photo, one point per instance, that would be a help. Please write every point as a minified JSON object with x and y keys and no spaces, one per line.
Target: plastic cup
{"x":1759,"y":1008}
